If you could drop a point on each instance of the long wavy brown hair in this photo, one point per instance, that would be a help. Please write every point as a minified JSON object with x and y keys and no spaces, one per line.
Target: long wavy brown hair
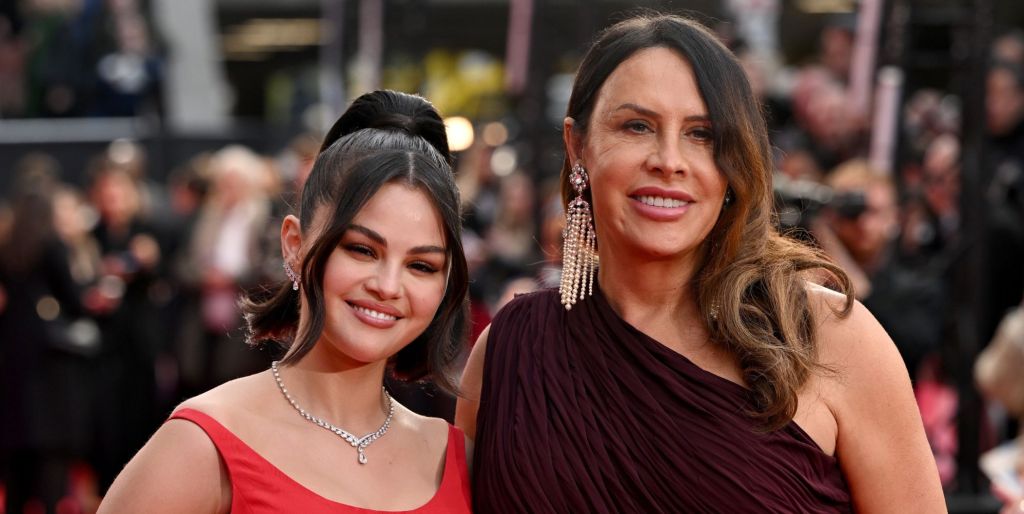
{"x":752,"y":284}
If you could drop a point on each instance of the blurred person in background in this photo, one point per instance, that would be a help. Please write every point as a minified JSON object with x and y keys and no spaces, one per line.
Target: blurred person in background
{"x":225,"y":257}
{"x":1009,"y":47}
{"x":997,"y":372}
{"x":1004,"y":206}
{"x":931,"y":226}
{"x":510,"y":239}
{"x":46,"y":353}
{"x":184,"y":373}
{"x":133,"y":336}
{"x":552,"y":225}
{"x":860,"y":229}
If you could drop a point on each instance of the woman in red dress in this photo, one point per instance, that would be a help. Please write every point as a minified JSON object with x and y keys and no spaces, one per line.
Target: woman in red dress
{"x":376,"y":281}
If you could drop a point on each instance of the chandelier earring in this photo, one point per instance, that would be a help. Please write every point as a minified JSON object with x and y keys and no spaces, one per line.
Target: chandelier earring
{"x":292,"y":275}
{"x":579,"y":255}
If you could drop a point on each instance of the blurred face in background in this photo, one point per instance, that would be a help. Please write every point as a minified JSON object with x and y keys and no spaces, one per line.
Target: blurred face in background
{"x":941,"y":171}
{"x":1004,"y":101}
{"x":68,"y":215}
{"x":116,"y":197}
{"x":867,"y":235}
{"x":837,"y":50}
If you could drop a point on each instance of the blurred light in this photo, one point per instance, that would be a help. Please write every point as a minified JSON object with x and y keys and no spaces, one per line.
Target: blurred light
{"x":48,"y":308}
{"x":503,"y":161}
{"x":460,"y":133}
{"x":495,"y":133}
{"x":827,"y":6}
{"x":123,"y":151}
{"x":254,"y":38}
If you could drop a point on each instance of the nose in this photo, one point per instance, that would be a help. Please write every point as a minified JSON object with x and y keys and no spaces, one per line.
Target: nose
{"x":386,"y":284}
{"x":667,"y":158}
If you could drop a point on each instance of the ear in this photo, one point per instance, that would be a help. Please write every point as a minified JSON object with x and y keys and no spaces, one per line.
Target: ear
{"x":291,"y":241}
{"x":573,"y":141}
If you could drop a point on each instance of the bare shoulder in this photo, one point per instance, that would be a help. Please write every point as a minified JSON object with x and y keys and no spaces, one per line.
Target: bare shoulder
{"x":472,"y":383}
{"x":881,"y":445}
{"x":227,"y":399}
{"x":846,"y":338}
{"x":178,"y":470}
{"x":862,"y":359}
{"x":426,"y":436}
{"x":433,"y":431}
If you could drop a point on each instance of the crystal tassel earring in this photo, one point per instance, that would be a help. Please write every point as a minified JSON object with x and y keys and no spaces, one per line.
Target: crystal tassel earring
{"x":579,"y":258}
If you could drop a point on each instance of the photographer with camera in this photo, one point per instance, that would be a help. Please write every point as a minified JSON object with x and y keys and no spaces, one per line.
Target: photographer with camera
{"x":859,"y":227}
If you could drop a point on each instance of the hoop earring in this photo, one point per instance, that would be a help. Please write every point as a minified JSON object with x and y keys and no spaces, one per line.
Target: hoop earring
{"x":579,"y":258}
{"x":292,"y":275}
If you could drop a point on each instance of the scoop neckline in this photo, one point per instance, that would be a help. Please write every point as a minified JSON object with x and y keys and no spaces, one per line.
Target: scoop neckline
{"x":448,"y":461}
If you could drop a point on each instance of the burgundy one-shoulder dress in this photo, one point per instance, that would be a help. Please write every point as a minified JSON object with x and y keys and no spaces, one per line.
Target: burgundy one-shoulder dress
{"x":581,"y":412}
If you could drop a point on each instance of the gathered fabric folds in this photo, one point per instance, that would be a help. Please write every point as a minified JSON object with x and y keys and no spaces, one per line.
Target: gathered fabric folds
{"x":581,"y":412}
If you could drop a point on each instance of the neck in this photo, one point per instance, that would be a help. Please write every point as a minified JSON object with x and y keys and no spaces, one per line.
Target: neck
{"x":334,"y":390}
{"x":641,"y":289}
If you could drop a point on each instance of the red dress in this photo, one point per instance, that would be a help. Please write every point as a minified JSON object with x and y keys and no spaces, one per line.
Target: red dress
{"x":257,"y":486}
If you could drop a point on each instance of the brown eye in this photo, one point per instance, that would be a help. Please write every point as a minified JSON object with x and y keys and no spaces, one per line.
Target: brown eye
{"x":702,"y":134}
{"x":360,"y":250}
{"x":637,"y":127}
{"x":423,"y":267}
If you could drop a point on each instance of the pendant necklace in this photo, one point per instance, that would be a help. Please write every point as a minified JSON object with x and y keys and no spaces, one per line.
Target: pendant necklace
{"x":359,"y":443}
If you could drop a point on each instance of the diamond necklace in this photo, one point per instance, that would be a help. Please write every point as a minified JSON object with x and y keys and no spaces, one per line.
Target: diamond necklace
{"x":359,"y":443}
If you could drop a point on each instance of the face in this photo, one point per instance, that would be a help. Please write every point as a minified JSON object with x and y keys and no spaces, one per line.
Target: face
{"x":1004,"y":102}
{"x":386,"y":278}
{"x":656,"y":189}
{"x":116,"y":197}
{"x":867,"y":235}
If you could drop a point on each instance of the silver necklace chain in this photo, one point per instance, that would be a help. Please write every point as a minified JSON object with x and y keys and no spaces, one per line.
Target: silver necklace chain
{"x":359,"y":443}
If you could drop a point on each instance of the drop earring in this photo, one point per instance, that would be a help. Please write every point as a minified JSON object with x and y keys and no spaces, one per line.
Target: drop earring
{"x":579,"y":257}
{"x":290,"y":273}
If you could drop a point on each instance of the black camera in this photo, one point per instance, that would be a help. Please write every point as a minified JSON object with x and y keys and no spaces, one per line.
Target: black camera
{"x":849,"y":204}
{"x":797,"y":202}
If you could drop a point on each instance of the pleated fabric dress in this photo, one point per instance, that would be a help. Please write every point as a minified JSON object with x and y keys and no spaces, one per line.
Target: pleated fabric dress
{"x":582,"y":412}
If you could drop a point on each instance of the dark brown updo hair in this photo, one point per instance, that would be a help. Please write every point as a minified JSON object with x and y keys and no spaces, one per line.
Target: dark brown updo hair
{"x":384,"y":137}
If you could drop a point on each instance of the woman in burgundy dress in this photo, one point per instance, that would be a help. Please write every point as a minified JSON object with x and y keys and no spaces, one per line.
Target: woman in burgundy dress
{"x":376,"y":280}
{"x":691,"y":360}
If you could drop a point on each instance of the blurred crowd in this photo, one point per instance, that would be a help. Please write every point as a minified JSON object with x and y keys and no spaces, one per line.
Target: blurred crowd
{"x":118,"y":299}
{"x":62,"y":58}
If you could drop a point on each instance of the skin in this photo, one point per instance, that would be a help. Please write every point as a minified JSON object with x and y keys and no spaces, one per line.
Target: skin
{"x":394,"y":261}
{"x":1004,"y":102}
{"x":865,"y":413}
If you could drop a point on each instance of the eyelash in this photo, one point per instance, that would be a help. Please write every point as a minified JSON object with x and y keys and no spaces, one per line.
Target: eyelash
{"x":368,"y":252}
{"x":360,"y":249}
{"x":637,"y":127}
{"x":705,"y":133}
{"x":424,"y":267}
{"x":640,"y":127}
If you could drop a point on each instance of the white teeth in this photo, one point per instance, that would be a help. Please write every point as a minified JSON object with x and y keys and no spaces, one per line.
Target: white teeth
{"x":658,"y":201}
{"x":374,"y":314}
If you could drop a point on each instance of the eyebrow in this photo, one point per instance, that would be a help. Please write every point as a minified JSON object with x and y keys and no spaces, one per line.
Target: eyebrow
{"x":653,"y":114}
{"x":379,"y":239}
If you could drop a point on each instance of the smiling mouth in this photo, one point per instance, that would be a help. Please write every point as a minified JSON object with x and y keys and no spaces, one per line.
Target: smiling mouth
{"x":374,"y":314}
{"x":660,"y":201}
